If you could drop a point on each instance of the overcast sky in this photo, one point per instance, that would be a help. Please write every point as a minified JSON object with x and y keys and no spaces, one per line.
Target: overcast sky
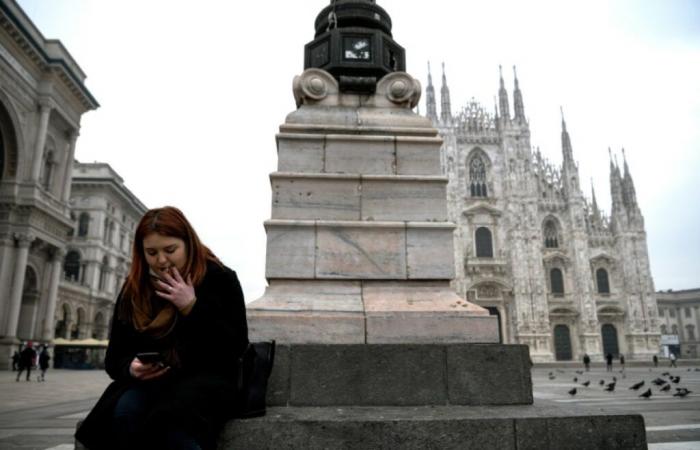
{"x":192,"y":94}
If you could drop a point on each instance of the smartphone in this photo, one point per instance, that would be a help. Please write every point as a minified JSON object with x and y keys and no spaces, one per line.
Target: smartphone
{"x":149,"y":357}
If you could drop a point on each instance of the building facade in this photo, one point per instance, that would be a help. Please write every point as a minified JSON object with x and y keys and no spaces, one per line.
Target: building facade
{"x":563,"y":277}
{"x":679,"y":315}
{"x":42,"y":99}
{"x":98,"y":251}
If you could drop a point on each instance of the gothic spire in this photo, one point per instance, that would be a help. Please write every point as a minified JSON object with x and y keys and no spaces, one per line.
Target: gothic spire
{"x":445,"y":104}
{"x":566,"y":141}
{"x":618,"y":205}
{"x":630,"y":194}
{"x":518,"y":105}
{"x":503,"y":97}
{"x":430,"y":97}
{"x":594,"y":206}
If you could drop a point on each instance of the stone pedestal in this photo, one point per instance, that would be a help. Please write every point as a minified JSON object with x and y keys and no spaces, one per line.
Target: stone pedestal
{"x":359,"y":248}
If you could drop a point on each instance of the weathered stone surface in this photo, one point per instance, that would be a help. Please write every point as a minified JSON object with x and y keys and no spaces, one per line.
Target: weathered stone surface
{"x":360,"y":154}
{"x":295,"y":311}
{"x":314,"y":197}
{"x":323,"y":375}
{"x":489,"y":374}
{"x":361,"y":251}
{"x":290,"y":250}
{"x":399,"y":375}
{"x":420,"y":199}
{"x":302,"y":153}
{"x":445,"y":427}
{"x":429,"y":251}
{"x":418,"y":155}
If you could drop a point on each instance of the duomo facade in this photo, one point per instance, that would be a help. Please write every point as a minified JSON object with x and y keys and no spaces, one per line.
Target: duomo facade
{"x":563,"y":277}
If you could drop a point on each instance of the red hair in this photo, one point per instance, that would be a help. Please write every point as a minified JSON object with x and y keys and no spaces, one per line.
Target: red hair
{"x":171,"y":222}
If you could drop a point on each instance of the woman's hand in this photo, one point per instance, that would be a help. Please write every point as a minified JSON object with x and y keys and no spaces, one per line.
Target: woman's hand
{"x":144,"y":372}
{"x":174,"y":289}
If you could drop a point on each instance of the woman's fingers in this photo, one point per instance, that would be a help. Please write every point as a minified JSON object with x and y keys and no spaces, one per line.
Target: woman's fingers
{"x":177,"y":276}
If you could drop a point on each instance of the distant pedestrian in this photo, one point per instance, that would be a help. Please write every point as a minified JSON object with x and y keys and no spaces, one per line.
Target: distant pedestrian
{"x":587,"y":361}
{"x":15,"y":361}
{"x":672,"y":358}
{"x":656,"y":360}
{"x":26,"y":360}
{"x":608,"y":362}
{"x":622,"y":361}
{"x":44,"y":359}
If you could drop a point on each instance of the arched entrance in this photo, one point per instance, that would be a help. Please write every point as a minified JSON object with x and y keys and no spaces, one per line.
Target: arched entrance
{"x":8,"y":144}
{"x":610,"y":344}
{"x":562,"y":343}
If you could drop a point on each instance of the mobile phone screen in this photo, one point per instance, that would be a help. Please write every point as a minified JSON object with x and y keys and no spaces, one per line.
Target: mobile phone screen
{"x":149,"y":357}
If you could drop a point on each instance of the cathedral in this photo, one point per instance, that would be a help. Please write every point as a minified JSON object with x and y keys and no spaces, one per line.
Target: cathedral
{"x":562,"y":276}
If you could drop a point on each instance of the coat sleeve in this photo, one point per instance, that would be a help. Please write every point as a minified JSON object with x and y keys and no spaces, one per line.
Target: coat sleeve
{"x":120,"y":350}
{"x":216,"y":329}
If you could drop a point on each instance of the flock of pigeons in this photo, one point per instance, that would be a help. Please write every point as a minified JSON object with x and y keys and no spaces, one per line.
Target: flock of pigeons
{"x":663,"y":384}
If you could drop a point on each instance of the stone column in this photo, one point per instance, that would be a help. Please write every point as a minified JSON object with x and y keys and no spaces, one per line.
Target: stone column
{"x":359,"y":245}
{"x":68,"y":175}
{"x":56,"y":269}
{"x":23,"y":242}
{"x":45,"y":111}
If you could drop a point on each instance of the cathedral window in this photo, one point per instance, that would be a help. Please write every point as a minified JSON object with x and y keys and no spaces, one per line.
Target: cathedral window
{"x":83,"y":224}
{"x":690,"y":332}
{"x":551,"y":235}
{"x":687,"y":312}
{"x":672,"y":313}
{"x":601,"y":276}
{"x":674,"y":329}
{"x":484,"y":243}
{"x":556,"y":279}
{"x":477,"y":177}
{"x":71,"y":266}
{"x":663,"y":329}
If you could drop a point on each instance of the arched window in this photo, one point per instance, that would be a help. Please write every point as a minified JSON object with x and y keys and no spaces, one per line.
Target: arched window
{"x":674,"y":329}
{"x":71,"y":266}
{"x":484,"y":244}
{"x":83,"y":224}
{"x":551,"y":235}
{"x":690,"y":332}
{"x":556,"y":279}
{"x":601,"y":276}
{"x":477,"y":177}
{"x":663,"y":329}
{"x":47,"y":175}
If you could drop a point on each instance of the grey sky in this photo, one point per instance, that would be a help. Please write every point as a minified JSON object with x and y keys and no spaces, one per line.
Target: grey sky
{"x":192,"y":94}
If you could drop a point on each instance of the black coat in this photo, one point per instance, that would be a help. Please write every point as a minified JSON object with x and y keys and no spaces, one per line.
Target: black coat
{"x":208,"y":341}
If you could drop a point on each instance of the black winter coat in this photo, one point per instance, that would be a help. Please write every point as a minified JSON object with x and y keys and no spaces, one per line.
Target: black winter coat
{"x":202,"y":393}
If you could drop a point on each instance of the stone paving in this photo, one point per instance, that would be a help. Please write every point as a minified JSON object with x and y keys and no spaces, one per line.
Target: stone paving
{"x":41,"y":416}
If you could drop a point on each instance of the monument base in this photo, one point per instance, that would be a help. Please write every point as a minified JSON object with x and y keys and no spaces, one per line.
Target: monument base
{"x":374,"y":312}
{"x":8,"y":346}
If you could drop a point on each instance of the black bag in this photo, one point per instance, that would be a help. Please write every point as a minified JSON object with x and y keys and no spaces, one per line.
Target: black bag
{"x":254,"y":368}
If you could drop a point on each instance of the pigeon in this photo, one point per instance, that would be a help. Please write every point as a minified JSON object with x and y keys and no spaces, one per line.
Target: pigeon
{"x":575,"y":379}
{"x":551,"y":376}
{"x":615,"y":379}
{"x":610,"y":387}
{"x":580,"y":372}
{"x":637,"y":385}
{"x":586,"y":383}
{"x":601,"y":382}
{"x":646,"y":393}
{"x":676,"y":380}
{"x":665,"y":374}
{"x":659,"y":381}
{"x":681,"y":392}
{"x":666,"y":388}
{"x":572,"y":392}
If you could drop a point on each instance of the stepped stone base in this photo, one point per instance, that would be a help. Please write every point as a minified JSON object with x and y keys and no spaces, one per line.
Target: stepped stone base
{"x":538,"y":427}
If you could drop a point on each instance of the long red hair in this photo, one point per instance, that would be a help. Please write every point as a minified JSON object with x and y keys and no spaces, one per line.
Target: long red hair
{"x":167,"y":221}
